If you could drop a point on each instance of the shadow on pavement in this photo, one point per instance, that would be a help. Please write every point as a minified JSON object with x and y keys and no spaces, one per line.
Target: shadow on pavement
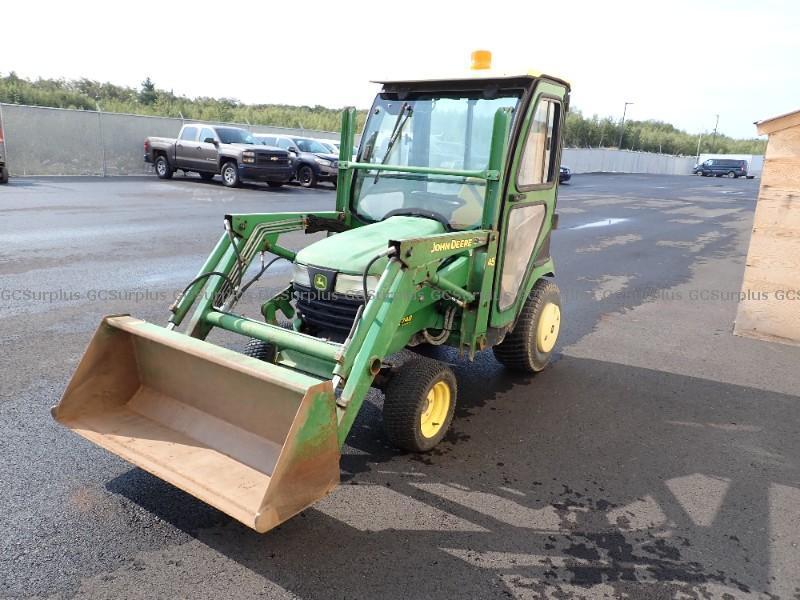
{"x":644,"y":482}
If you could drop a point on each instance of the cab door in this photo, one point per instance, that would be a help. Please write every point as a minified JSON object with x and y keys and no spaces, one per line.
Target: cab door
{"x":207,"y":153}
{"x":186,"y":148}
{"x":529,"y":204}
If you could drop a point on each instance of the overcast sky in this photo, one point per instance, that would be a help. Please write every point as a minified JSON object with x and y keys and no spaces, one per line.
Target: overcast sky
{"x":678,"y":61}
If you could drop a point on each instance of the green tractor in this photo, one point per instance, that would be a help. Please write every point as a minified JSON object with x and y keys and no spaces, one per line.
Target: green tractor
{"x":441,"y":236}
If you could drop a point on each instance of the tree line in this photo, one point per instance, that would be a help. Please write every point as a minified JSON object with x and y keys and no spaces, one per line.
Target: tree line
{"x":581,"y":131}
{"x":651,"y":136}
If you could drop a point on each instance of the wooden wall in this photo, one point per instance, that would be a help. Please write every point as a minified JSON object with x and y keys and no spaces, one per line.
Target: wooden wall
{"x":770,"y":305}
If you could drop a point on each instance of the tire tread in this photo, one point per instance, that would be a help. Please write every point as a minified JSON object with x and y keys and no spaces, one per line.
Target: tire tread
{"x":402,"y":398}
{"x":515,"y":352}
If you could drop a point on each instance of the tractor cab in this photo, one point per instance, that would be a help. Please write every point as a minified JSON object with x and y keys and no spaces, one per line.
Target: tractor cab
{"x":423,"y":168}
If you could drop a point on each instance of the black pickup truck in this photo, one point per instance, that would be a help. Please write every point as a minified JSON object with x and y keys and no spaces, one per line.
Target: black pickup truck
{"x":219,"y":150}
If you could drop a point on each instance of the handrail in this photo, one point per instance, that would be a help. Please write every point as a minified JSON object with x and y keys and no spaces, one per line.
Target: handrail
{"x":487,"y":174}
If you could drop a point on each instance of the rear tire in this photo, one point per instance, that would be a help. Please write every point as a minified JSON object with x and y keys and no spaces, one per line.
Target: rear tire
{"x":529,"y":346}
{"x":306,"y":176}
{"x":230,"y":175}
{"x":163,"y":169}
{"x":206,"y":176}
{"x":420,"y":400}
{"x":731,"y":174}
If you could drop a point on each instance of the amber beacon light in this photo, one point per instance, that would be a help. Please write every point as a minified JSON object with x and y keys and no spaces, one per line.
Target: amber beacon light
{"x":481,"y":59}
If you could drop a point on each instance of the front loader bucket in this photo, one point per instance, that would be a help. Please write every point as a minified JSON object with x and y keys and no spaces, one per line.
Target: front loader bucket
{"x":255,"y":440}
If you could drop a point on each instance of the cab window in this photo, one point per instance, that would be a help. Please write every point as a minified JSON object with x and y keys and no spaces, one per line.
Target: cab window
{"x":206,"y":133}
{"x":189,"y":133}
{"x":538,"y":157}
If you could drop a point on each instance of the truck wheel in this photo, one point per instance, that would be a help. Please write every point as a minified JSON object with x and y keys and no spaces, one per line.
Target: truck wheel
{"x":306,"y":177}
{"x":163,"y":168}
{"x":206,"y":176}
{"x":420,"y":400}
{"x":260,"y":349}
{"x":529,"y":346}
{"x":230,"y":175}
{"x":3,"y":175}
{"x":731,"y":174}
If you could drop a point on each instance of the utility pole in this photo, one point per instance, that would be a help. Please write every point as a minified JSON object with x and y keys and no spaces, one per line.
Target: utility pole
{"x":714,"y":135}
{"x":699,"y":139}
{"x":622,"y":125}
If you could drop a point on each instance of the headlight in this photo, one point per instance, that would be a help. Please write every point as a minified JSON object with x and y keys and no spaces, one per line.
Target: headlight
{"x":248,"y":156}
{"x":323,"y":162}
{"x":352,"y":285}
{"x":300,"y":275}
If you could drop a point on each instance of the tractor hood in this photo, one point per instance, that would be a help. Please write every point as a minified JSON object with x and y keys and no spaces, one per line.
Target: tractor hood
{"x":350,"y":251}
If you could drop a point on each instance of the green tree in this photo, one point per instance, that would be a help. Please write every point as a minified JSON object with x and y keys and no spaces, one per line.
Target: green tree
{"x":148,"y":94}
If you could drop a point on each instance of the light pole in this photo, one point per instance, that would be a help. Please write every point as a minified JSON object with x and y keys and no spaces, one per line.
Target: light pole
{"x":622,"y":125}
{"x":714,"y":136}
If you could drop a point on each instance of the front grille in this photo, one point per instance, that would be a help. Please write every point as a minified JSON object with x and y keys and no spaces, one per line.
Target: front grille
{"x":272,"y":160}
{"x":326,"y":311}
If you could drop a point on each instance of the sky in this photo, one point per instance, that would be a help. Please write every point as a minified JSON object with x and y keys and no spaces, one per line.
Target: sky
{"x":678,"y":61}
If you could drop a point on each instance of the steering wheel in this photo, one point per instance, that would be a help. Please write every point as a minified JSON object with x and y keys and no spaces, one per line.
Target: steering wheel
{"x":419,"y":212}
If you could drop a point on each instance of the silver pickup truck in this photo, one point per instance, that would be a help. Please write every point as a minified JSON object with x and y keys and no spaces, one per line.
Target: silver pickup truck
{"x":216,"y":150}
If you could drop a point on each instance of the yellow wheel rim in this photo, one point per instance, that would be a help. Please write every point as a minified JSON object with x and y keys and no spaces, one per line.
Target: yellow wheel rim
{"x":547,"y":330}
{"x":434,"y":413}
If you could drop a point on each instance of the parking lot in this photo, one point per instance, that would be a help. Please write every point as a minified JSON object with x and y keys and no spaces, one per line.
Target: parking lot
{"x":659,"y":457}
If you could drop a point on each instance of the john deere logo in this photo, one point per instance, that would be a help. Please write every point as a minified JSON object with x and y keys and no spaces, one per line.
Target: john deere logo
{"x":320,"y":281}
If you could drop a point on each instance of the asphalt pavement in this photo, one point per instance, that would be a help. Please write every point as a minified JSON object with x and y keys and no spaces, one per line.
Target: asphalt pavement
{"x":658,"y":457}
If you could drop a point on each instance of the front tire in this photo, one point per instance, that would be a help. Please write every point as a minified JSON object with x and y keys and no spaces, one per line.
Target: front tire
{"x":260,"y":349}
{"x":420,"y":400}
{"x":163,"y":169}
{"x":529,"y":346}
{"x":230,"y":175}
{"x":306,"y":176}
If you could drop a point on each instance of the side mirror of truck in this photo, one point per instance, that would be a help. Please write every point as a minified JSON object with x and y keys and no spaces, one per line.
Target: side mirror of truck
{"x":294,"y":150}
{"x":210,"y":140}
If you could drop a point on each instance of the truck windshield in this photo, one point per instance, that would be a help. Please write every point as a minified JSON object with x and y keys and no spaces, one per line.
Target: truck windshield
{"x":232,"y":135}
{"x":451,"y":131}
{"x":312,"y":146}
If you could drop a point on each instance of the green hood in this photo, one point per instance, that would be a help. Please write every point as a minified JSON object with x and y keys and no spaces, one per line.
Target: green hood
{"x":350,"y":251}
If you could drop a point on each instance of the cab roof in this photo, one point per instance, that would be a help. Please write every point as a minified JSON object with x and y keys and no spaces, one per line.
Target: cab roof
{"x":474,"y":75}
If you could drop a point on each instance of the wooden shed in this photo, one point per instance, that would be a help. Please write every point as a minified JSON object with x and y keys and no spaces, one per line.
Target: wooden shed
{"x":770,"y":304}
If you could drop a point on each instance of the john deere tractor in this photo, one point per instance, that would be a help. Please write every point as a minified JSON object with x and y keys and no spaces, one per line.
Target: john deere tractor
{"x":440,"y":236}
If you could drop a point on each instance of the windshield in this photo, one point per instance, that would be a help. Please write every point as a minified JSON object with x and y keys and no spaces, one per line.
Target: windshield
{"x":312,"y":146}
{"x":439,"y":131}
{"x":232,"y":135}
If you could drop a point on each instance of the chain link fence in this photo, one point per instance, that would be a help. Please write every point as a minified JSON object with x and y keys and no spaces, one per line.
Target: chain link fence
{"x":58,"y":141}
